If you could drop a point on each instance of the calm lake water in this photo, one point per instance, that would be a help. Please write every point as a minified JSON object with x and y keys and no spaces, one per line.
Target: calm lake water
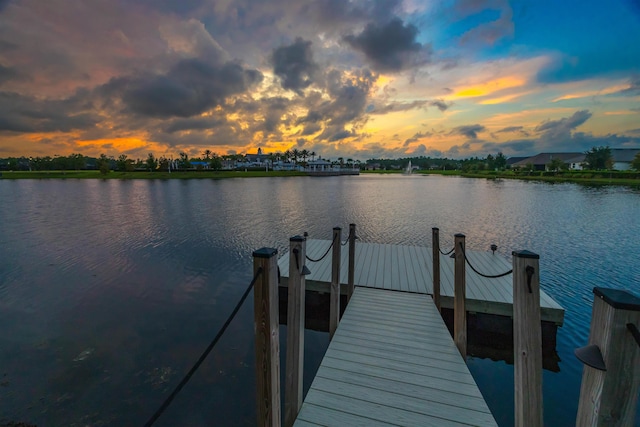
{"x":110,"y":290}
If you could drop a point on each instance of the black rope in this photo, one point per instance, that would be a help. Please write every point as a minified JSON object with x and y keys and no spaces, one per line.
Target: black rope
{"x":448,"y":253}
{"x":204,"y":355}
{"x":488,"y":276}
{"x":325,"y":254}
{"x":348,"y":238}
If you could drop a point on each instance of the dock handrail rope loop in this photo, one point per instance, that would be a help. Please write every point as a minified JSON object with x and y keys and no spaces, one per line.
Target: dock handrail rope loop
{"x":348,"y":237}
{"x":325,"y":254}
{"x":488,"y":276}
{"x":448,"y":253}
{"x":204,"y":355}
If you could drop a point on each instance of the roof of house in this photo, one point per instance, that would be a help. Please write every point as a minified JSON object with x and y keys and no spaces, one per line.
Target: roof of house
{"x":513,"y":160}
{"x":545,"y":158}
{"x":624,"y":154}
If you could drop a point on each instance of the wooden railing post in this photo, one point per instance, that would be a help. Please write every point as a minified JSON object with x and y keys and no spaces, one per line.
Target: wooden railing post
{"x":610,"y":398}
{"x":527,"y":340}
{"x":334,"y":298}
{"x":295,"y":330}
{"x":435,"y":250}
{"x":266,"y":328}
{"x":459,"y":295}
{"x":352,"y":261}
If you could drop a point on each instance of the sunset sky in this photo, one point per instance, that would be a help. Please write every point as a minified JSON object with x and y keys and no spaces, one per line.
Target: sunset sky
{"x":360,"y":79}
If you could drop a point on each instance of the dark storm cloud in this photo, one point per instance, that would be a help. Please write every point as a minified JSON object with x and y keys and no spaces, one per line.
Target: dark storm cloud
{"x":510,"y":129}
{"x":20,"y":113}
{"x":416,"y":137}
{"x":294,"y":65}
{"x":191,"y":87}
{"x":195,"y":123}
{"x":390,"y":47}
{"x":561,"y":129}
{"x":440,"y":104}
{"x":470,"y":131}
{"x":4,"y":3}
{"x":396,"y":106}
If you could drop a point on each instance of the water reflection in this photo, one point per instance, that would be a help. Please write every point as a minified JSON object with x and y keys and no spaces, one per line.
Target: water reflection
{"x":139,"y":275}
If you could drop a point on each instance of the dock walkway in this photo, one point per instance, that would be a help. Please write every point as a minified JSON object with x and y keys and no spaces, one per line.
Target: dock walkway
{"x":410,"y":269}
{"x":392,"y":361}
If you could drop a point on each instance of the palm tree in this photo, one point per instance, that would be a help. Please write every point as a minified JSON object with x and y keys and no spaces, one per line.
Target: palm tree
{"x":304,"y":154}
{"x":350,"y":162}
{"x":296,"y":155}
{"x":207,"y":154}
{"x":313,"y":155}
{"x":287,"y":155}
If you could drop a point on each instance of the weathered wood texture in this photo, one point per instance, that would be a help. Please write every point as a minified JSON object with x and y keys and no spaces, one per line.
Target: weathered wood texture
{"x":393,"y":362}
{"x":410,"y":269}
{"x":266,"y":328}
{"x":610,"y":398}
{"x":334,"y":299}
{"x":527,"y":340}
{"x":435,"y":261}
{"x":294,"y":367}
{"x":352,"y":261}
{"x":459,"y":297}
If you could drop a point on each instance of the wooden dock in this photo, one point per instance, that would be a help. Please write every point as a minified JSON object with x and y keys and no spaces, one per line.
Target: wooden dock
{"x":392,"y":361}
{"x":410,"y":269}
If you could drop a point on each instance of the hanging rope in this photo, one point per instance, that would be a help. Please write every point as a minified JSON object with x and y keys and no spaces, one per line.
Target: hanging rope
{"x":325,"y":254}
{"x":348,"y":237}
{"x":448,"y":253}
{"x":204,"y":355}
{"x":488,"y":276}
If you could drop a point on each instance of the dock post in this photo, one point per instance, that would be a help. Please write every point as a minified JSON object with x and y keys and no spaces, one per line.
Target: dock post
{"x":459,"y":295}
{"x":266,"y":328}
{"x":527,"y":340}
{"x":352,"y":261}
{"x":435,"y":250}
{"x":334,"y":299}
{"x":610,"y":398}
{"x":295,"y":330}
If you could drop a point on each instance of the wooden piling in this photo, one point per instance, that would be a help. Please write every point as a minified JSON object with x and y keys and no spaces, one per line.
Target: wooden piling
{"x":459,"y":295}
{"x":266,"y":330}
{"x":527,"y":340}
{"x":293,"y":393}
{"x":610,"y":398}
{"x":435,"y":250}
{"x":334,"y":298}
{"x":352,"y":261}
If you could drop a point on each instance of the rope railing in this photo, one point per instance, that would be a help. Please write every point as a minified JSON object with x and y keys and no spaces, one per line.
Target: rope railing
{"x":447,"y":253}
{"x":488,"y":276}
{"x":325,"y":254}
{"x":348,"y":238}
{"x":204,"y":355}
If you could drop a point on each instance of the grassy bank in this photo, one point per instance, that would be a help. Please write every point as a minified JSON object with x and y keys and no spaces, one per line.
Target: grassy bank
{"x":145,"y":175}
{"x":584,"y":177}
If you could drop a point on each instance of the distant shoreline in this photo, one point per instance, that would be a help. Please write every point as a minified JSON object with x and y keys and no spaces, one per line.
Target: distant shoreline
{"x":583,"y":177}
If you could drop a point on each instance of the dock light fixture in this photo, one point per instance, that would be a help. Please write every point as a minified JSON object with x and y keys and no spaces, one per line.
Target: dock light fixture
{"x":494,"y":248}
{"x":592,"y":356}
{"x":305,"y":271}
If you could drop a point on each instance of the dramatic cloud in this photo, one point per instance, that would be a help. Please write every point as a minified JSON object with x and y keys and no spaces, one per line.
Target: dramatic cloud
{"x":510,"y":129}
{"x":440,"y":104}
{"x":415,"y":138}
{"x":634,"y":87}
{"x":396,"y":107}
{"x":470,"y":131}
{"x":390,"y":47}
{"x":294,"y":65}
{"x":557,"y":130}
{"x":191,"y":87}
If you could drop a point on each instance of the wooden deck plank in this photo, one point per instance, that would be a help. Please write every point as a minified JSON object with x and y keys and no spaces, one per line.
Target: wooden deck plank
{"x":410,"y":269}
{"x":397,"y":366}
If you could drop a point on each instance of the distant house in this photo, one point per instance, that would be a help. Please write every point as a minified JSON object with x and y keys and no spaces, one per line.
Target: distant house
{"x":513,"y":160}
{"x":319,"y":165}
{"x":259,"y":159}
{"x":622,"y":158}
{"x":540,"y":161}
{"x":372,"y":166}
{"x":200,"y":165}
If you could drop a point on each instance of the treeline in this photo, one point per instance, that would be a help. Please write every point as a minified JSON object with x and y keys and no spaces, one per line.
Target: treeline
{"x":490,"y":162}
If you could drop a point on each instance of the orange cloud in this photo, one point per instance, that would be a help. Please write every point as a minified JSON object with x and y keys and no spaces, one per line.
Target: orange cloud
{"x":489,"y":87}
